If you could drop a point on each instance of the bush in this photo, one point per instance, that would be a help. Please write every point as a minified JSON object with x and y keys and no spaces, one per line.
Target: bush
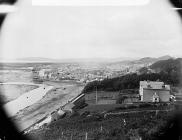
{"x":121,"y":99}
{"x":145,"y":105}
{"x":86,"y":113}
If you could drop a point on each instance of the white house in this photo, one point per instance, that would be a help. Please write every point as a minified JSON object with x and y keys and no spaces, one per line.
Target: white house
{"x":153,"y":91}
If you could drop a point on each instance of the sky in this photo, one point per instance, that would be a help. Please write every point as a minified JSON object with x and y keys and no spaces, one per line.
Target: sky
{"x":68,"y":32}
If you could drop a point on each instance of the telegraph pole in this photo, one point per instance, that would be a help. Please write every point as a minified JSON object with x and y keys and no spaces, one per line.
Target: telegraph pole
{"x":96,"y":95}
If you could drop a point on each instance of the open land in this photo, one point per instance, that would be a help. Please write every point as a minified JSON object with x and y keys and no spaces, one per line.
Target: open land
{"x":54,"y":99}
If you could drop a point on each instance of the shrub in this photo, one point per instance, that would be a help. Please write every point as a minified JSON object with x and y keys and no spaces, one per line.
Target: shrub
{"x":121,"y":99}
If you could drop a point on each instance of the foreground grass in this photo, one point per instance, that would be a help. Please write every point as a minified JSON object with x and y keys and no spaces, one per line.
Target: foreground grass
{"x":95,"y":126}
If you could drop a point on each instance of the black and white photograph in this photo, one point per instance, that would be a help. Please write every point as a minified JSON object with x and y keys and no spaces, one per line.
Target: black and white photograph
{"x":90,"y":70}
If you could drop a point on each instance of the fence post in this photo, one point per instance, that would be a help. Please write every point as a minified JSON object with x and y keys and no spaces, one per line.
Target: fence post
{"x":71,"y":136}
{"x":156,"y":112}
{"x":86,"y":136}
{"x":62,"y":135}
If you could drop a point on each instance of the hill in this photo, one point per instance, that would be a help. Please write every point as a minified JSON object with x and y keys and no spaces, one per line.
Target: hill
{"x":141,"y":61}
{"x":168,"y":66}
{"x":129,"y":81}
{"x":168,"y":71}
{"x":151,"y":59}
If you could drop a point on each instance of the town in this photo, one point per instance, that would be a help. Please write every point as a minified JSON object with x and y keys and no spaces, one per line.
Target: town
{"x":84,"y":72}
{"x":153,"y":94}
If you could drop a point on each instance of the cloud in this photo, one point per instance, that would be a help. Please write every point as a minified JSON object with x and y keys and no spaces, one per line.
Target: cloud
{"x":91,"y":31}
{"x":89,"y":2}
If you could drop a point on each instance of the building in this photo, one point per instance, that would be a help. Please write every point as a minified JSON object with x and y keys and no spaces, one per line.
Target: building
{"x":79,"y":100}
{"x":154,"y":91}
{"x":56,"y":115}
{"x":41,"y":73}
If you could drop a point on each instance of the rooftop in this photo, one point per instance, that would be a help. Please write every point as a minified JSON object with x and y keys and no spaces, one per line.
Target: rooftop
{"x":154,"y":85}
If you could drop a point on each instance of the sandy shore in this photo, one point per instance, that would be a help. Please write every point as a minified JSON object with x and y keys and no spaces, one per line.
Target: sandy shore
{"x":25,"y":100}
{"x":55,"y":98}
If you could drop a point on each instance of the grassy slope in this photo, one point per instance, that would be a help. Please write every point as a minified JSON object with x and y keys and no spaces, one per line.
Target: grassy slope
{"x":146,"y":124}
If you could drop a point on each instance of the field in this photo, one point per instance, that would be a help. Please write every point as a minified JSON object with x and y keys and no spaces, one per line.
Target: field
{"x":124,"y":107}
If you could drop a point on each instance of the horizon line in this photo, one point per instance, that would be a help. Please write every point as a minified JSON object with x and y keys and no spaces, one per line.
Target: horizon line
{"x":56,"y":60}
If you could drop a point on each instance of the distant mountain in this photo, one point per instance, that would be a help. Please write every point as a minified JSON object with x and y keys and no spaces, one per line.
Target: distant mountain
{"x":156,"y":64}
{"x":171,"y":67}
{"x":168,"y":66}
{"x":125,"y":61}
{"x":76,"y":60}
{"x":145,"y":60}
{"x":152,"y":59}
{"x":165,"y":57}
{"x":35,"y":59}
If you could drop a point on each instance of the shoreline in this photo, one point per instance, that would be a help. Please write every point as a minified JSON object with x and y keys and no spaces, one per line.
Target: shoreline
{"x":26,"y":99}
{"x":54,"y":99}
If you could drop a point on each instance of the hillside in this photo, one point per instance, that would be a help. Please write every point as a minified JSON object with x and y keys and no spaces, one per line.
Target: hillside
{"x":168,"y":71}
{"x":129,"y":81}
{"x":168,"y":66}
{"x":151,"y":59}
{"x":115,"y":124}
{"x":141,"y":61}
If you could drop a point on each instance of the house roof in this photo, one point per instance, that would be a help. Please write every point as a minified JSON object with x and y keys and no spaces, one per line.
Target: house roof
{"x":154,"y":85}
{"x":156,"y":89}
